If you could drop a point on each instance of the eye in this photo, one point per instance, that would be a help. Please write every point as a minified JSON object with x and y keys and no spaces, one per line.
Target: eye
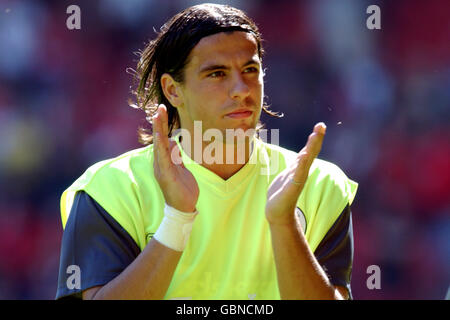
{"x":216,"y":74}
{"x":251,"y":70}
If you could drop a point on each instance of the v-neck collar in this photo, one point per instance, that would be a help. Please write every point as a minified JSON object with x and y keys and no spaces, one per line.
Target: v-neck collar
{"x":232,"y":184}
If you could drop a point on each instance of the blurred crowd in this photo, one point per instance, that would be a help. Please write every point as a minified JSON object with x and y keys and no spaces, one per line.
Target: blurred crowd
{"x":384,"y":95}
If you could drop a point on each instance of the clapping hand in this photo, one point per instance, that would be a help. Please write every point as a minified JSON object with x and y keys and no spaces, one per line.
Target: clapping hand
{"x":177,"y":183}
{"x":285,"y":189}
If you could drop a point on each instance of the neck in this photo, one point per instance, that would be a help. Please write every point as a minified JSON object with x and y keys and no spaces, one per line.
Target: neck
{"x":224,"y":159}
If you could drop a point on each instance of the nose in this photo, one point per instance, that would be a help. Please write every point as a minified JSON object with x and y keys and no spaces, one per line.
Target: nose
{"x":239,"y":89}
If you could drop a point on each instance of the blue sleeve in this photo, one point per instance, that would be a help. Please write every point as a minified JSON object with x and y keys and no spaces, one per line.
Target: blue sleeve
{"x":335,"y":251}
{"x":94,"y":244}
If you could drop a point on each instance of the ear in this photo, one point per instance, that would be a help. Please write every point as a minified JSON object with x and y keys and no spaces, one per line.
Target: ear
{"x":171,"y":90}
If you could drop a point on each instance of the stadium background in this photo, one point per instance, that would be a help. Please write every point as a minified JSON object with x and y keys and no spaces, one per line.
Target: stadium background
{"x":384,"y":94}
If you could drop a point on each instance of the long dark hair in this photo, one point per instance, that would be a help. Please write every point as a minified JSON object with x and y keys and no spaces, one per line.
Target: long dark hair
{"x":169,"y":53}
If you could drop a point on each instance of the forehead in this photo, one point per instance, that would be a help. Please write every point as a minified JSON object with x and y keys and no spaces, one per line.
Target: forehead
{"x":223,"y":48}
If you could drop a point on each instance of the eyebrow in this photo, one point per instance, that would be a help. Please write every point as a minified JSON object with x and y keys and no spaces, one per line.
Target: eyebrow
{"x":224,"y":67}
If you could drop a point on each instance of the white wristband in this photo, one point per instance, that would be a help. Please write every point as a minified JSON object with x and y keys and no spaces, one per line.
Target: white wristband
{"x":175,"y":228}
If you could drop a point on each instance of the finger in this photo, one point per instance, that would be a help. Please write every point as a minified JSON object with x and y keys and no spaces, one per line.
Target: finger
{"x":156,"y":168}
{"x":162,"y":109}
{"x":156,"y":144}
{"x":315,"y":140}
{"x":156,"y":124}
{"x":307,"y":155}
{"x":163,"y":126}
{"x":161,"y":144}
{"x":155,"y":133}
{"x":314,"y":143}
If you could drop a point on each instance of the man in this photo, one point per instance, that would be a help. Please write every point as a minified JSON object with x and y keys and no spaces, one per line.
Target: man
{"x":166,"y":222}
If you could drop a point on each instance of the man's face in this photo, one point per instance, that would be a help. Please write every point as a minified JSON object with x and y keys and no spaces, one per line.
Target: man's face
{"x":223,"y":84}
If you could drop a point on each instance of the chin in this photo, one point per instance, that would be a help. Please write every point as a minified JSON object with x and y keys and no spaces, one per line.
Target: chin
{"x":230,"y":134}
{"x":245,"y":127}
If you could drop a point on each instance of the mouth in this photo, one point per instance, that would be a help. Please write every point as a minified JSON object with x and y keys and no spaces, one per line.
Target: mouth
{"x":239,"y":114}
